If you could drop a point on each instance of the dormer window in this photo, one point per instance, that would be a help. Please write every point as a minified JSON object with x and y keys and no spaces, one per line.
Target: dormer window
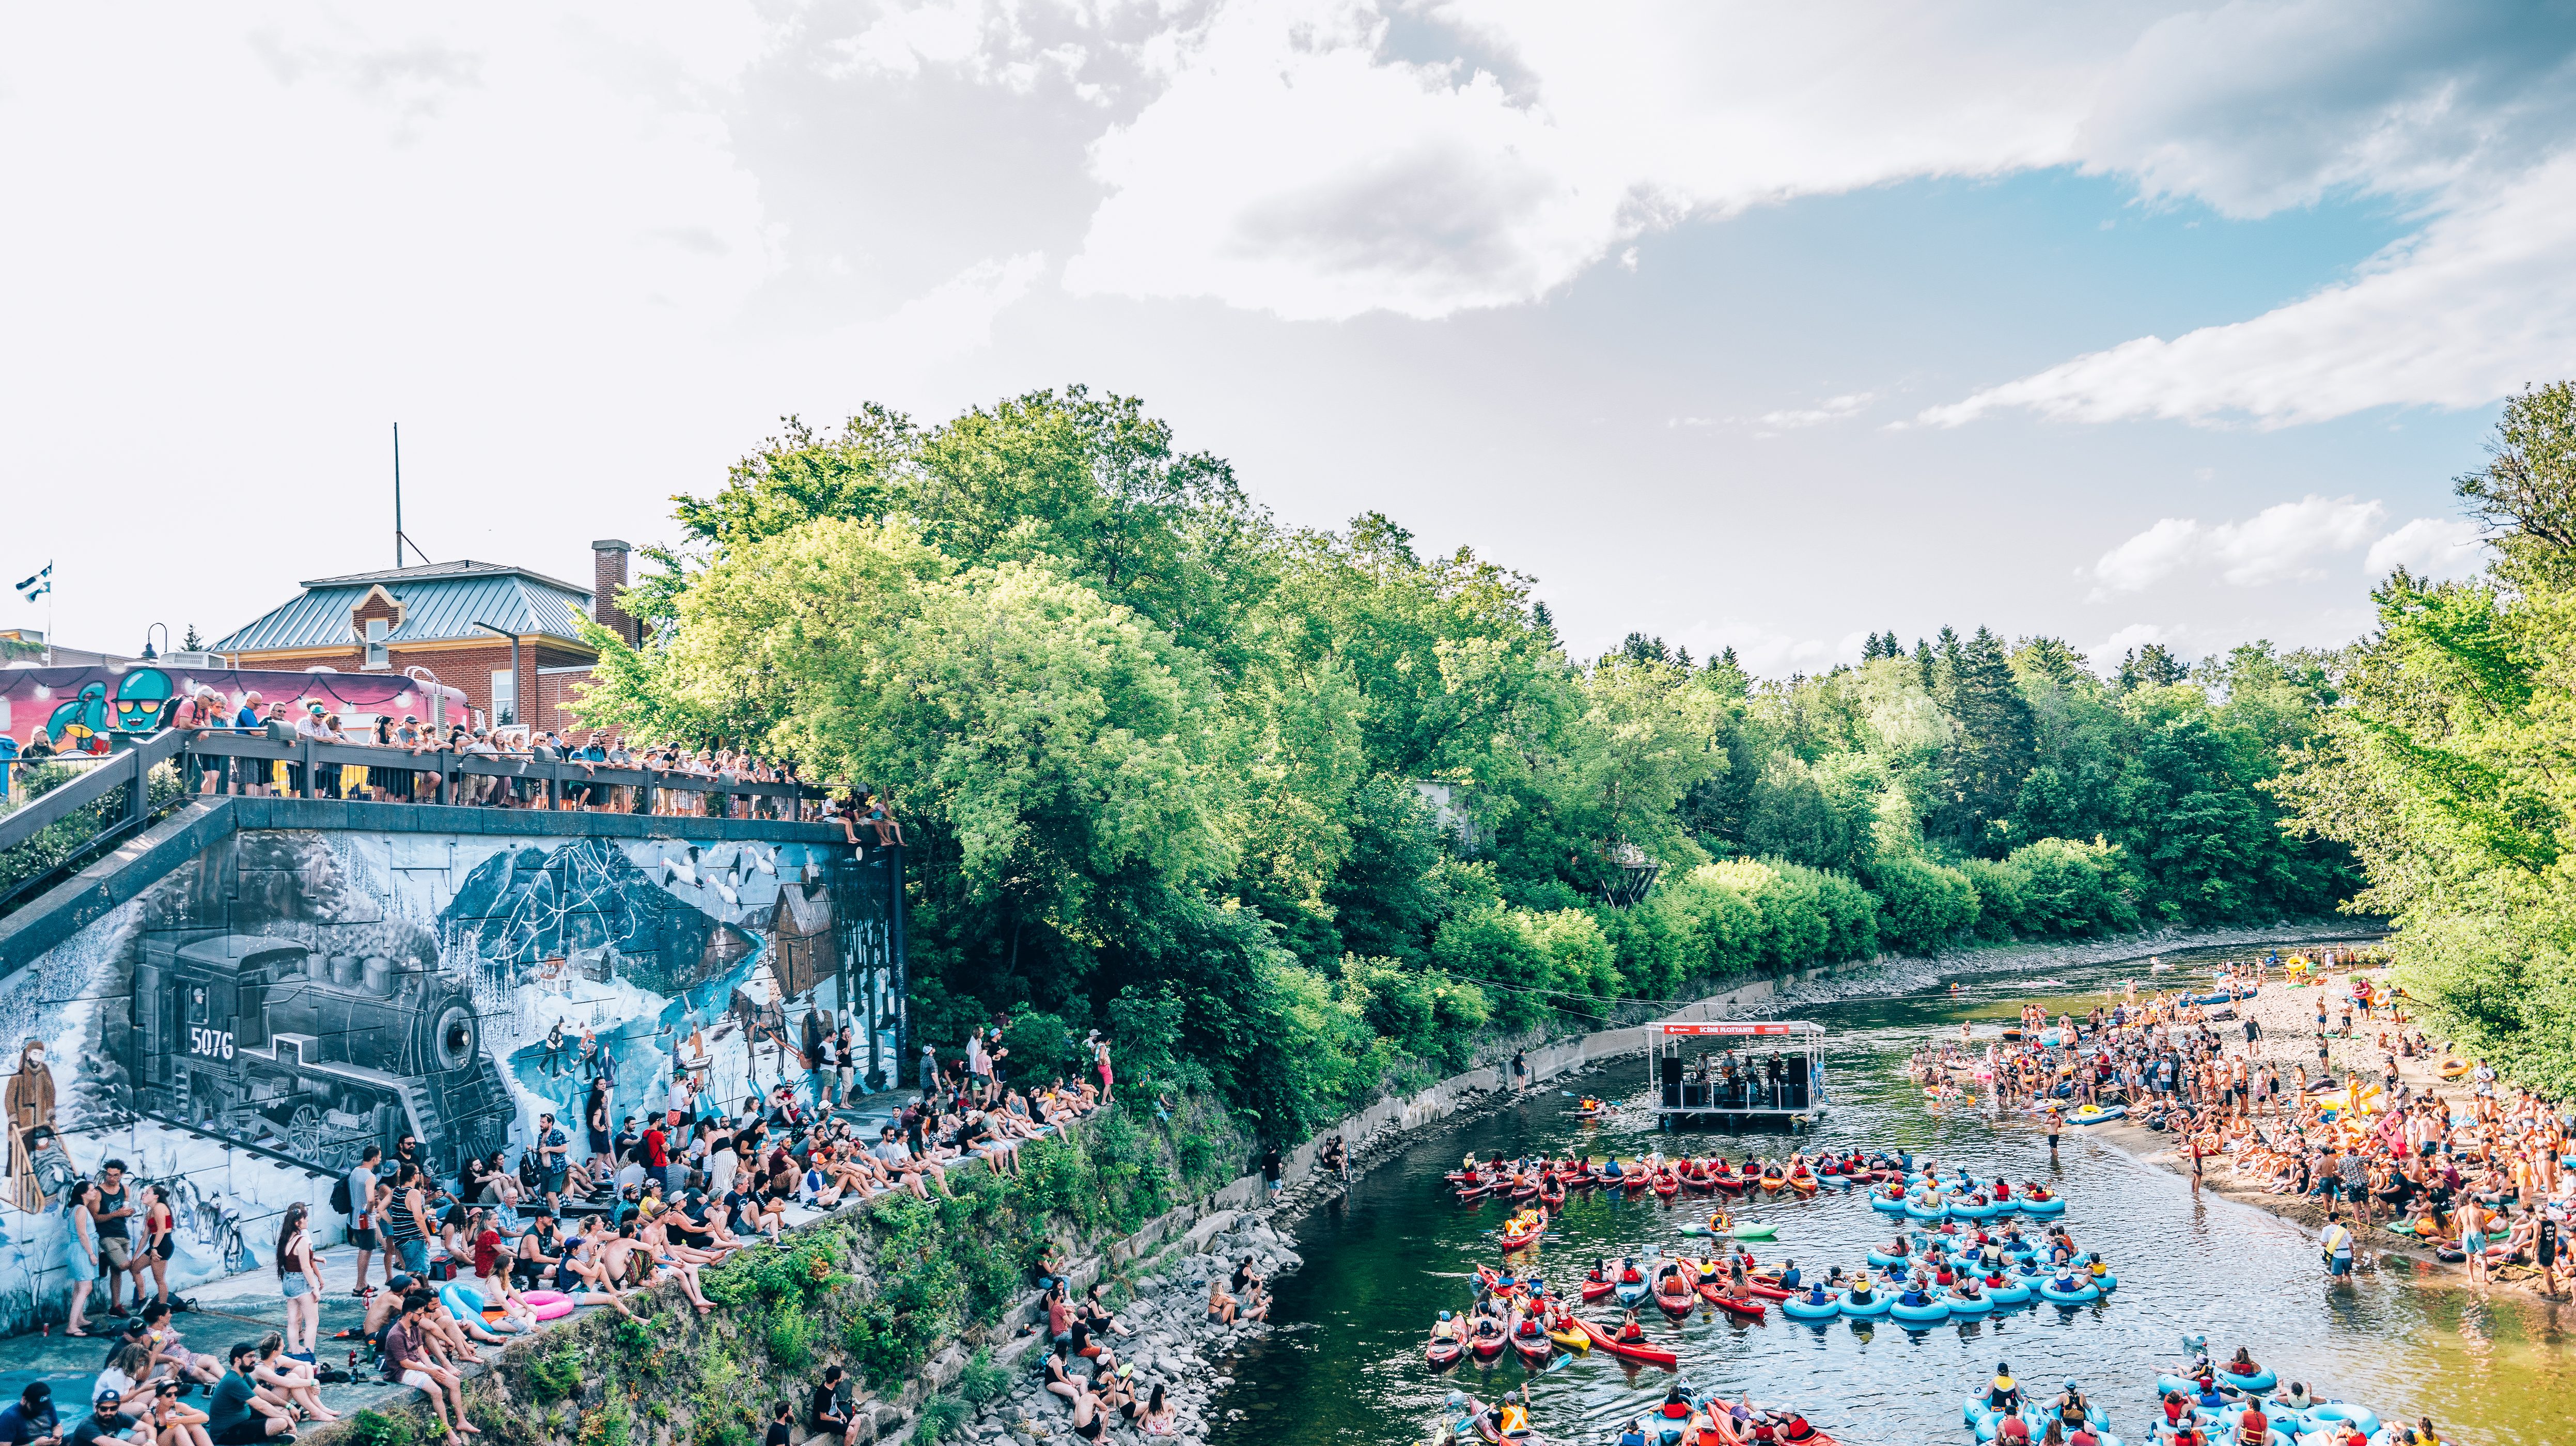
{"x":378,"y":655}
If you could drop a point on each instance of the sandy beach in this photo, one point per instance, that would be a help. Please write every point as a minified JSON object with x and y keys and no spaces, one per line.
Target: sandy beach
{"x":2287,"y":1018}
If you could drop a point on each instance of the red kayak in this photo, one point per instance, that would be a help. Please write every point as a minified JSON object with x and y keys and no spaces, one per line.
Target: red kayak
{"x":1516,"y":1239}
{"x":1473,"y":1193}
{"x":1535,"y":1351}
{"x":1749,"y":1309}
{"x":1595,"y":1289}
{"x":1524,"y":1192}
{"x":1486,"y":1347}
{"x":1552,"y":1199}
{"x":1666,"y":1187}
{"x":1625,"y":1351}
{"x":1442,"y":1354}
{"x":1678,"y":1304}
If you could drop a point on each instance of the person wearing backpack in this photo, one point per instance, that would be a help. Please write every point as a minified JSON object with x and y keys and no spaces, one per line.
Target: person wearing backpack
{"x":354,"y":1195}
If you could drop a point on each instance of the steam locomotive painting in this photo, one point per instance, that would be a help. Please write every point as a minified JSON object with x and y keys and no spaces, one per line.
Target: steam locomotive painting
{"x":277,"y":1047}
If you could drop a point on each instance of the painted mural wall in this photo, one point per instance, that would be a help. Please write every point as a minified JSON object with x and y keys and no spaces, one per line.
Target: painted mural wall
{"x":84,"y":709}
{"x":244,"y":1028}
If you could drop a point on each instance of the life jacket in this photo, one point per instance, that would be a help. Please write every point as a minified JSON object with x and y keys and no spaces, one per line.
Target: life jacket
{"x":1515,"y":1418}
{"x":1677,"y":1410}
{"x":1632,"y":1332}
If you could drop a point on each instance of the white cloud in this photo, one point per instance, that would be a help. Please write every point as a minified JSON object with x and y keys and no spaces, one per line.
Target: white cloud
{"x":2151,"y":556}
{"x":2429,"y":547}
{"x":2284,"y":542}
{"x":2470,"y":309}
{"x":1761,"y":649}
{"x":2107,"y":653}
{"x":1832,"y":409}
{"x":954,"y":317}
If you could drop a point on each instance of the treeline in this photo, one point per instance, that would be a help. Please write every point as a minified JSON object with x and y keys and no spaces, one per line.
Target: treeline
{"x":1316,"y":813}
{"x":2448,"y":770}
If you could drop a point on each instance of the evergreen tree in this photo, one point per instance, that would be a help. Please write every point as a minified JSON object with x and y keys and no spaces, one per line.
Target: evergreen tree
{"x":1923,"y":663}
{"x":1990,"y":750}
{"x":2153,"y":666}
{"x":191,"y":643}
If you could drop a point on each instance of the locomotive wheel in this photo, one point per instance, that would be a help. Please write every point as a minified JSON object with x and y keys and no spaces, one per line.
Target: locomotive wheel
{"x":304,"y":1131}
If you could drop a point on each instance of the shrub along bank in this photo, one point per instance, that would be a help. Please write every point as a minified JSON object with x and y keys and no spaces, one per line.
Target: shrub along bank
{"x":880,"y":1290}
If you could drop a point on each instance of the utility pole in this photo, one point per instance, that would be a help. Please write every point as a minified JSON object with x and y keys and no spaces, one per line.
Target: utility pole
{"x":398,"y":537}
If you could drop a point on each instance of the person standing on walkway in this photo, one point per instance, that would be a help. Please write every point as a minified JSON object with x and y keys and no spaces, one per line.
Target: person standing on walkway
{"x":1520,"y":1070}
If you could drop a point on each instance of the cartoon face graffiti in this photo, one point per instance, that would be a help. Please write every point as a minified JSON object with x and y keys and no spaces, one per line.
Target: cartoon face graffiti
{"x":141,"y":700}
{"x":81,"y":719}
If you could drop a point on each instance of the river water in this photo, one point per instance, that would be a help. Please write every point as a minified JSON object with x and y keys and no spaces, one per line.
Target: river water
{"x":1346,"y":1367}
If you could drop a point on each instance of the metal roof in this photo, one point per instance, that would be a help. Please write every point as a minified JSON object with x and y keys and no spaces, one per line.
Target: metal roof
{"x":463,"y":567}
{"x":440,"y":603}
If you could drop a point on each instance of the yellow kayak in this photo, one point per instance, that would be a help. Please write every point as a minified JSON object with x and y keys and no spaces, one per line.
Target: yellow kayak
{"x":1572,"y":1340}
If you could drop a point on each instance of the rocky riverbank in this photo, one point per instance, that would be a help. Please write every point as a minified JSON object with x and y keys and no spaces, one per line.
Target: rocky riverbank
{"x":1171,"y":1341}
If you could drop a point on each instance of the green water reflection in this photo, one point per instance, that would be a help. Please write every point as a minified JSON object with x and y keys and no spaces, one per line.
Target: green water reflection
{"x":1346,"y":1365}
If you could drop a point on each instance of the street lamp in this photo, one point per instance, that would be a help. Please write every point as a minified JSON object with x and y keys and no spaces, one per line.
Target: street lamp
{"x":148,"y":654}
{"x":517,"y":694}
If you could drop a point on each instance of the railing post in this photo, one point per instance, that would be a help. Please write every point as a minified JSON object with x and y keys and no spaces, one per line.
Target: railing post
{"x":137,"y":802}
{"x":644,"y":791}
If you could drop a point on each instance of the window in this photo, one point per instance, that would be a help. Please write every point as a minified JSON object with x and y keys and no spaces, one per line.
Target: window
{"x":378,"y":655}
{"x":505,"y":698}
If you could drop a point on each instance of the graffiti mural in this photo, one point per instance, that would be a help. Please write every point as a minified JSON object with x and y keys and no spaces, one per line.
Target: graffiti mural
{"x":252,"y":1022}
{"x":83,"y":709}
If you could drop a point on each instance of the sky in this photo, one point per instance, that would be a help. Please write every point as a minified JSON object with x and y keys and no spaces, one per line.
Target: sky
{"x":1751,"y":326}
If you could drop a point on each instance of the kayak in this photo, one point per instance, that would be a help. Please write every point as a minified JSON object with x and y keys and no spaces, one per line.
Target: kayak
{"x":1646,"y":1353}
{"x":1744,"y":1230}
{"x":1516,"y":1239}
{"x":1679,"y":1303}
{"x":1486,"y":1347}
{"x":1443,"y":1354}
{"x":1803,"y":1184}
{"x":1749,"y":1309}
{"x":1572,"y":1340}
{"x":1535,"y":1353}
{"x":1595,"y":1289}
{"x":1667,"y":1187}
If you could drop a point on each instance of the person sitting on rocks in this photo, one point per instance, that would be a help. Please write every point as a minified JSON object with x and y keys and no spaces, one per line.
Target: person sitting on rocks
{"x":1221,"y":1307}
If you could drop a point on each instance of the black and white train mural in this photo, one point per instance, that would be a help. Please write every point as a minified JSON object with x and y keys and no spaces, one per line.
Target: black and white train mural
{"x":243,"y":1030}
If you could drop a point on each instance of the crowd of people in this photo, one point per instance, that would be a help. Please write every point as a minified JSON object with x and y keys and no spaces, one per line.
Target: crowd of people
{"x":2462,"y":1163}
{"x":592,"y":1214}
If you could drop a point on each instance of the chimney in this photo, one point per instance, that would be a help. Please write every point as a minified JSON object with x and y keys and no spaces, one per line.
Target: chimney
{"x":608,"y":578}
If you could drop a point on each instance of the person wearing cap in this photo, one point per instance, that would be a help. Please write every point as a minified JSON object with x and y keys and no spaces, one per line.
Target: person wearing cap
{"x":31,"y":1422}
{"x":106,"y":1418}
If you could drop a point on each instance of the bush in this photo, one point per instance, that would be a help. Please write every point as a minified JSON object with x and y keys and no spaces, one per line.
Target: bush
{"x":1922,"y":905}
{"x":1040,"y":1047}
{"x":379,"y":1428}
{"x":981,"y":1381}
{"x":940,"y":1417}
{"x":555,"y":1374}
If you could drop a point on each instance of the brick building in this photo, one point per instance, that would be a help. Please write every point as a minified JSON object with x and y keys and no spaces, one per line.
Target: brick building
{"x":502,"y":634}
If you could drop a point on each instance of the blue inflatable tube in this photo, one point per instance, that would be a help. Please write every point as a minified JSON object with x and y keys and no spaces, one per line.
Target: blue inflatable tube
{"x":1882,"y":1259}
{"x":1961,"y":1305}
{"x":463,"y":1302}
{"x":2048,"y":1209}
{"x":1986,"y":1211}
{"x":1876,"y":1305}
{"x":1798,"y":1307}
{"x":2011,"y":1292}
{"x":1886,"y":1206}
{"x":1931,"y":1314}
{"x":2106,"y":1283}
{"x":2363,"y":1419}
{"x":1918,"y":1210}
{"x":2253,"y":1385}
{"x":2079,"y":1294}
